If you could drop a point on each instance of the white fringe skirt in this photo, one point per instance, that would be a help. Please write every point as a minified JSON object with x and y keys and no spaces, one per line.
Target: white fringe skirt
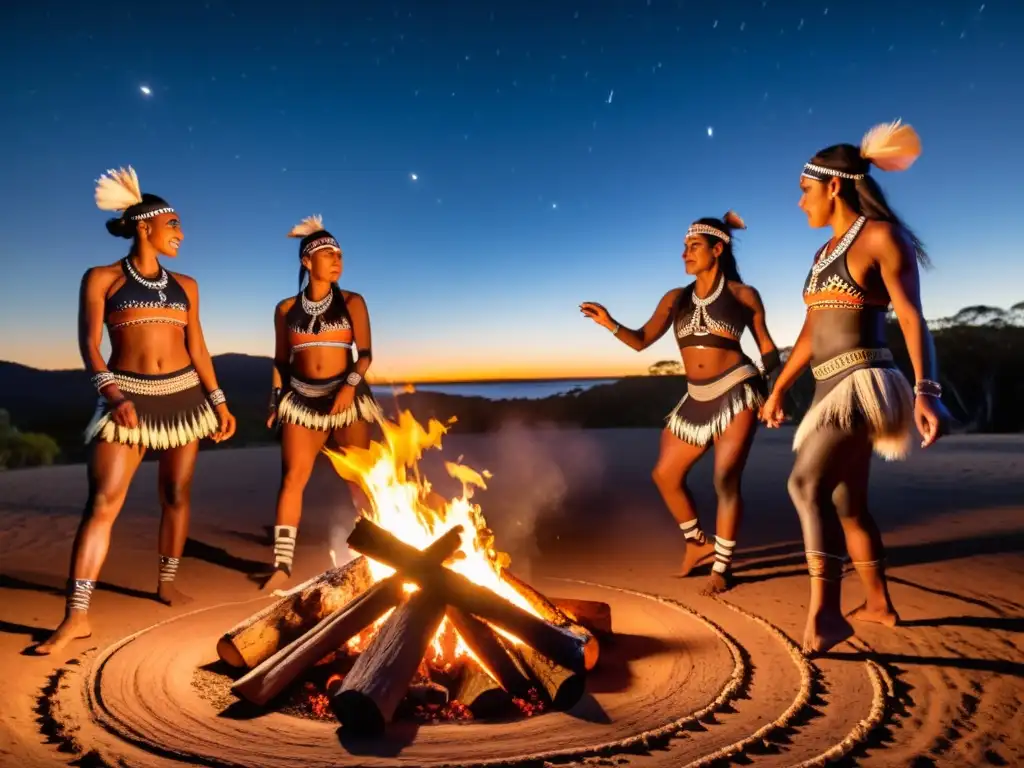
{"x":308,"y":403}
{"x":710,"y":405}
{"x":862,"y":387}
{"x":172,"y":411}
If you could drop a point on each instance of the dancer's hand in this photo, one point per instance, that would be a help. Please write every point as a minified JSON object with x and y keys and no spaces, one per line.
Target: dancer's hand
{"x":597,"y":313}
{"x":123,"y":414}
{"x":344,"y":399}
{"x":272,"y":418}
{"x":227,"y":424}
{"x":772,"y":413}
{"x":931,"y":417}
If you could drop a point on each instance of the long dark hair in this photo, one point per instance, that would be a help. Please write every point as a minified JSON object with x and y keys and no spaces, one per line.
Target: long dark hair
{"x":727,"y":259}
{"x":864,"y":196}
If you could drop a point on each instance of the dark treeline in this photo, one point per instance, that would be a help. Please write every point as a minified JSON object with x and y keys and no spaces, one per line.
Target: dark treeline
{"x":980,"y":352}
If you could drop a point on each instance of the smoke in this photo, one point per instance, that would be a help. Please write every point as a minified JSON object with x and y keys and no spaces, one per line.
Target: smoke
{"x":537,"y":471}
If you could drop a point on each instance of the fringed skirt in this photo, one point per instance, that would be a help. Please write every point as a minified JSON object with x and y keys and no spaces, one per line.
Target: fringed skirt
{"x":858,"y":388}
{"x":710,"y":405}
{"x":308,"y":404}
{"x":172,"y":411}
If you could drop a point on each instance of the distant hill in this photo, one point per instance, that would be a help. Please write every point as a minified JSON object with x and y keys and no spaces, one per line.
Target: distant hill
{"x":60,"y":403}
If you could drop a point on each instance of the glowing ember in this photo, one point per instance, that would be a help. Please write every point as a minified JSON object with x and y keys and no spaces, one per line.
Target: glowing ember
{"x":403,"y":502}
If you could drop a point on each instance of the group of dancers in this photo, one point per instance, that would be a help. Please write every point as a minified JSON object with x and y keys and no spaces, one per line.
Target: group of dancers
{"x":158,"y":390}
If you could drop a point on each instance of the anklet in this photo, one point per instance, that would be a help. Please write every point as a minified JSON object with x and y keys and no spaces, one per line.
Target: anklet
{"x":168,"y":568}
{"x":80,"y":594}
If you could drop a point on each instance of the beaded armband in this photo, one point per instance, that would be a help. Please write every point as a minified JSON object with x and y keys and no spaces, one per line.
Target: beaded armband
{"x":217,"y":397}
{"x":353,"y":379}
{"x":367,"y":353}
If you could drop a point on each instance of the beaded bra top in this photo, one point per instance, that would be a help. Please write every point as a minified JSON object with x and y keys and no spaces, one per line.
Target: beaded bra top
{"x":323,"y":323}
{"x":829,"y":284}
{"x":717,"y":320}
{"x":142,"y":300}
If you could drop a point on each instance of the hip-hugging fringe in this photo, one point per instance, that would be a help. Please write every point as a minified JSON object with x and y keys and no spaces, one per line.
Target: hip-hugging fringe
{"x":742,"y":397}
{"x":881,"y":396}
{"x":292,"y":410}
{"x":156,"y":432}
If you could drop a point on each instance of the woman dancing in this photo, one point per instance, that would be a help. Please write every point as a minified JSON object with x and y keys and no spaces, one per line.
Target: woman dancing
{"x":723,"y":389}
{"x":158,"y":391}
{"x":861,"y":400}
{"x":327,"y":394}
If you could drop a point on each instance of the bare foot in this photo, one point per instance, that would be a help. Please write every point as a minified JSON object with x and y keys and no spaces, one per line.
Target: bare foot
{"x":716,"y":584}
{"x":277,"y":580}
{"x":695,"y":555}
{"x":885,"y":616}
{"x":74,"y":627}
{"x":168,"y":594}
{"x":824,"y":631}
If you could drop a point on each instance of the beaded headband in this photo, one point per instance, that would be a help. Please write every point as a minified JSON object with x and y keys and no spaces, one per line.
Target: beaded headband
{"x":705,"y":229}
{"x":821,"y":173}
{"x":327,"y":241}
{"x":149,"y":214}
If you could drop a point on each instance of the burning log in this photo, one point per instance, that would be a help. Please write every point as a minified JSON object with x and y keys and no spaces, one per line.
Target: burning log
{"x":550,"y":612}
{"x":563,"y":646}
{"x":481,"y":694}
{"x":380,"y":678}
{"x":562,"y":687}
{"x":260,"y":636}
{"x":591,"y":614}
{"x":273,"y":675}
{"x":492,"y":655}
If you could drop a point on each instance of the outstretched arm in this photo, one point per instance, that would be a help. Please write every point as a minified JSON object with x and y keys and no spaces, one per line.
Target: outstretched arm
{"x":799,"y":358}
{"x":897,"y":262}
{"x":759,"y":327}
{"x":196,"y":343}
{"x":641,"y":338}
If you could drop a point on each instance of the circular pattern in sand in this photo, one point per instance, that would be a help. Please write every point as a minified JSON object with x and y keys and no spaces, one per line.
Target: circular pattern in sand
{"x":665,"y":666}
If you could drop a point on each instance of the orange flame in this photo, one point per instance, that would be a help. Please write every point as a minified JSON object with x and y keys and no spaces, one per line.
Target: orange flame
{"x":404,"y":503}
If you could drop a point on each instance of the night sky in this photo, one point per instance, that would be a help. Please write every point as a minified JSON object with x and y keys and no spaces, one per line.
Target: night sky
{"x":486,"y":166}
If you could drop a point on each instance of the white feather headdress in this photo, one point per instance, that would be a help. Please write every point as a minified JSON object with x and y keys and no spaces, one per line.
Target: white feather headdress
{"x":307,"y":226}
{"x":891,"y":146}
{"x":118,"y":190}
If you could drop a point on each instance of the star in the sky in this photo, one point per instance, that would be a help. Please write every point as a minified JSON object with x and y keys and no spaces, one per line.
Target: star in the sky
{"x":145,"y":90}
{"x":414,"y":176}
{"x":711,"y":132}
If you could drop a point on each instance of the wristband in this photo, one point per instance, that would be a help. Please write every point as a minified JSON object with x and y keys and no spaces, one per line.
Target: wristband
{"x":275,"y":397}
{"x":353,"y":379}
{"x":616,"y":329}
{"x":217,"y":397}
{"x":103,"y":379}
{"x":928,"y":387}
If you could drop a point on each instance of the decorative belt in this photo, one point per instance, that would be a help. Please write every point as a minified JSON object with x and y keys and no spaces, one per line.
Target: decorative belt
{"x":157,"y":387}
{"x":718,"y":387}
{"x":846,"y":360}
{"x":321,"y":389}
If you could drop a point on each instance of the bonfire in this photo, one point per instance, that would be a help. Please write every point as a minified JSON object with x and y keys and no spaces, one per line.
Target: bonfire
{"x":425,"y":616}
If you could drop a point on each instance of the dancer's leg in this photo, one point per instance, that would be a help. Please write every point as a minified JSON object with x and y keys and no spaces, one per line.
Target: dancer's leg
{"x":177,"y":466}
{"x":863,"y":541}
{"x":110,"y":470}
{"x":299,"y":449}
{"x":815,"y":475}
{"x":675,"y":461}
{"x":731,"y":451}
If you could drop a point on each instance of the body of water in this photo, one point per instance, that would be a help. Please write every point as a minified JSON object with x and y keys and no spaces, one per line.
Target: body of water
{"x":501,"y":390}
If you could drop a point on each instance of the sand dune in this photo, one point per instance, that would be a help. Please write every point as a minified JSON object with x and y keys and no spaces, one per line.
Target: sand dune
{"x":944,"y":689}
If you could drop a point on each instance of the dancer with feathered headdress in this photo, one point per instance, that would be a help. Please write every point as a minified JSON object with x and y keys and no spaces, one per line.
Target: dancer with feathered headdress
{"x":862,"y":401}
{"x":724,"y":389}
{"x":319,"y":390}
{"x":157,"y":392}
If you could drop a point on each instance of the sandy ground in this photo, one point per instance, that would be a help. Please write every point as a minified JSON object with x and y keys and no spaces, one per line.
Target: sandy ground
{"x":943,"y":689}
